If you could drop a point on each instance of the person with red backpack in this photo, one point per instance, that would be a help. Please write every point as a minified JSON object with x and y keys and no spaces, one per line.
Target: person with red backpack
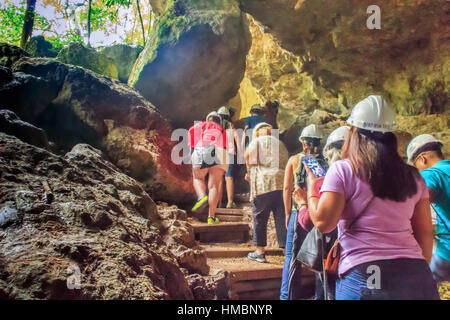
{"x":209,"y":157}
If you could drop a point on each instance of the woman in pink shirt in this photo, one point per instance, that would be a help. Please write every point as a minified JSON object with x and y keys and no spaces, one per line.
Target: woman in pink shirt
{"x":381,"y":208}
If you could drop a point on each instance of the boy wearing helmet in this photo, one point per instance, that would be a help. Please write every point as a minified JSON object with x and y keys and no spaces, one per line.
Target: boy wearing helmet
{"x":424,"y":152}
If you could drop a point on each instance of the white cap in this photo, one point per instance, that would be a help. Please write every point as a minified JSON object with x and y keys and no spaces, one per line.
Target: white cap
{"x":224,"y":111}
{"x":417,"y":143}
{"x":339,"y":134}
{"x":374,"y":114}
{"x":311,"y":131}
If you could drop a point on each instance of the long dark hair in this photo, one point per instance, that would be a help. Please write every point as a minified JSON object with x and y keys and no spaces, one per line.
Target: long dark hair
{"x":374,"y":159}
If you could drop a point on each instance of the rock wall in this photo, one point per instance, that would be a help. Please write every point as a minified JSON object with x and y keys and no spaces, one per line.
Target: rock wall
{"x":406,"y":61}
{"x":76,"y":105}
{"x":194,"y":60}
{"x":101,"y":226}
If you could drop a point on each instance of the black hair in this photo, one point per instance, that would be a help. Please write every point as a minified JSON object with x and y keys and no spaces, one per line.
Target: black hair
{"x":432,"y":146}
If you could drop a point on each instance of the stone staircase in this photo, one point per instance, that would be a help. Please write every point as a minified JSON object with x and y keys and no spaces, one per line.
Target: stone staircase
{"x":226,"y":246}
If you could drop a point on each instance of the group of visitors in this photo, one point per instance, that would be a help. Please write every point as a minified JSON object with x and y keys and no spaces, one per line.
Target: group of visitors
{"x":376,"y":205}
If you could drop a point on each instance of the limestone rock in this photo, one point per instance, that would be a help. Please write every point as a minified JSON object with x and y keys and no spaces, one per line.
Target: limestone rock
{"x":10,"y":54}
{"x":124,"y":57}
{"x":79,"y":55}
{"x":89,"y":243}
{"x":75,"y":105}
{"x":39,"y":47}
{"x":405,"y":60}
{"x":12,"y":125}
{"x":194,"y":59}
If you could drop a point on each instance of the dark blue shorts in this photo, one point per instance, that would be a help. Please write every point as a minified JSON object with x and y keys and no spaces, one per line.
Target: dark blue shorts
{"x":231,"y":170}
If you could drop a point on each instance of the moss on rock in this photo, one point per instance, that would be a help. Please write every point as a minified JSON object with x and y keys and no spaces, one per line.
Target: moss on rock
{"x":79,"y":55}
{"x":194,"y":59}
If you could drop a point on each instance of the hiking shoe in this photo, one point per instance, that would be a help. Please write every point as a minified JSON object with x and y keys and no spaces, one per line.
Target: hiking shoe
{"x":231,"y":205}
{"x":200,"y":204}
{"x":212,"y":220}
{"x":257,"y":257}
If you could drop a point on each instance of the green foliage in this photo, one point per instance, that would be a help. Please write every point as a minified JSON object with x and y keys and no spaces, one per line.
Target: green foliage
{"x":171,"y":25}
{"x":11,"y":22}
{"x":59,"y":42}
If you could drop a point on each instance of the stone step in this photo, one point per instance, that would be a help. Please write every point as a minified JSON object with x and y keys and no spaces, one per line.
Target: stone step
{"x":231,"y":212}
{"x":224,"y":214}
{"x":217,"y":251}
{"x":222,"y":232}
{"x":252,"y":280}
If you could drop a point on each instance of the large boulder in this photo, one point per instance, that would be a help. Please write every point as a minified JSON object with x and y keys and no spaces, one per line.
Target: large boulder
{"x":37,"y":46}
{"x":194,"y":59}
{"x":124,"y":57}
{"x":406,"y":61}
{"x":100,"y":238}
{"x":79,"y":55}
{"x":12,"y":125}
{"x":76,"y":105}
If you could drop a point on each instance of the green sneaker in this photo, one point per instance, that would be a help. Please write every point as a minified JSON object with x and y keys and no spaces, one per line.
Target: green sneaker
{"x":231,"y":205}
{"x":200,"y":204}
{"x":212,"y":220}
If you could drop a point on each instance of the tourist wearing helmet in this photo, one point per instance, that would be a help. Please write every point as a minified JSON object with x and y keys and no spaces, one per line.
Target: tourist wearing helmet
{"x":425,"y":153}
{"x":266,"y":157}
{"x":295,"y":177}
{"x":381,"y":208}
{"x":209,"y":157}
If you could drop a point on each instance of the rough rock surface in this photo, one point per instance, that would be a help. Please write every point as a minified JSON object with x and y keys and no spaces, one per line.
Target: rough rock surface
{"x":194,"y":60}
{"x":102,"y":226}
{"x":124,"y":57}
{"x":79,"y":55}
{"x":12,"y":125}
{"x":10,"y":54}
{"x":39,"y":47}
{"x":75,"y":105}
{"x":407,"y":61}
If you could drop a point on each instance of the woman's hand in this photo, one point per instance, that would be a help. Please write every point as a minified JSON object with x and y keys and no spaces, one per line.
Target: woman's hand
{"x":300,"y":196}
{"x":247,"y":177}
{"x":288,"y":217}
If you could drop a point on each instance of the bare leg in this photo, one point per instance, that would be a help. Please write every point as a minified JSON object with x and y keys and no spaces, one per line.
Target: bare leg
{"x":219,"y":203}
{"x":230,"y":188}
{"x":214,"y":180}
{"x":198,"y":180}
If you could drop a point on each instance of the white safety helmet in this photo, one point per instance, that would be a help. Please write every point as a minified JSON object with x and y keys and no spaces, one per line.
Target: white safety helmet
{"x":417,"y":143}
{"x":374,"y":114}
{"x":339,"y":134}
{"x":214,"y":114}
{"x":223,"y":111}
{"x":311,"y":131}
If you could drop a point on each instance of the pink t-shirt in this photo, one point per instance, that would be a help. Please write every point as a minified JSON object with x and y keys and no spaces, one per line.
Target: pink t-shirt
{"x":383,"y":232}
